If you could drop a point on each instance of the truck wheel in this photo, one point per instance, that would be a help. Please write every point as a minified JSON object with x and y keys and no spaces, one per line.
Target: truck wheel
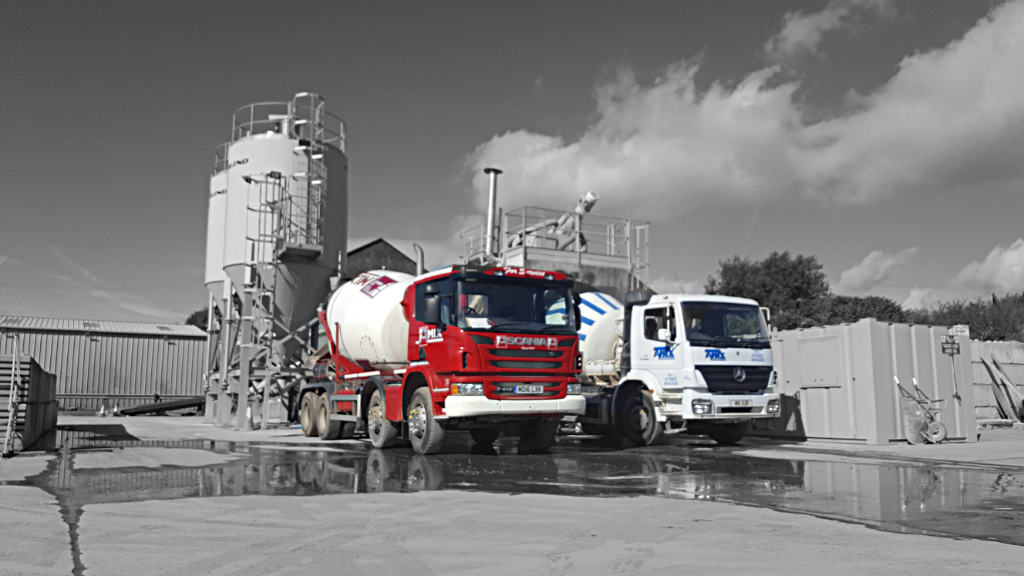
{"x":378,"y":469}
{"x":381,"y":431}
{"x":307,"y":413}
{"x":538,"y":434}
{"x":327,"y":429}
{"x":728,"y":434}
{"x":425,"y":434}
{"x":638,"y":422}
{"x":484,"y":436}
{"x":423,"y":474}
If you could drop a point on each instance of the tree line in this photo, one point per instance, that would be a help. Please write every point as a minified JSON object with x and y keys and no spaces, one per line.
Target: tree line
{"x":799,"y":296}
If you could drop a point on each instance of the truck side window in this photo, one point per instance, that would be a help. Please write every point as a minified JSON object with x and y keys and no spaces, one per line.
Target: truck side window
{"x":437,"y":288}
{"x":658,"y":318}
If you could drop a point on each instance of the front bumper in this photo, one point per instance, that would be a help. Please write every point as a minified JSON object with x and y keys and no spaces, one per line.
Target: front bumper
{"x":680,"y":406}
{"x":464,"y":406}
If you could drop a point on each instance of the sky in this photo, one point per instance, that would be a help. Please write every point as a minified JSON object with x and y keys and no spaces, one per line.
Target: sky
{"x":884,"y":138}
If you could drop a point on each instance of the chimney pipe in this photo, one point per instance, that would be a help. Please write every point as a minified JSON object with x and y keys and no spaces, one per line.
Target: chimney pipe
{"x":491,"y":201}
{"x":420,"y":269}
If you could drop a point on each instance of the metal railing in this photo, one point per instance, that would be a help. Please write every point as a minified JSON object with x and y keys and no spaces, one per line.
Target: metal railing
{"x":583,"y":234}
{"x":303,"y":118}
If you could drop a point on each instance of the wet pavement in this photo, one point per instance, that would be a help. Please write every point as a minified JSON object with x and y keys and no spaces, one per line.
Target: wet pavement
{"x":924,"y":498}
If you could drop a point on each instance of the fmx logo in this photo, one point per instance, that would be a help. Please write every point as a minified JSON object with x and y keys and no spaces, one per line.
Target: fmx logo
{"x":430,"y":334}
{"x":713,"y":354}
{"x":665,"y":353}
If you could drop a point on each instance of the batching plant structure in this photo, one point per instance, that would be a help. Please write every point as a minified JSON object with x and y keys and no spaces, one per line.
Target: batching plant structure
{"x":277,"y":231}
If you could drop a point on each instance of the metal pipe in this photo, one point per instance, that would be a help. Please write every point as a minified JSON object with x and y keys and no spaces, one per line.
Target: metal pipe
{"x":491,"y":200}
{"x":420,"y":268}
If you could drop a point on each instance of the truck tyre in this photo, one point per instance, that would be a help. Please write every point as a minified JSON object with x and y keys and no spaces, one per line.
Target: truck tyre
{"x":728,"y":434}
{"x":425,"y":433}
{"x":381,"y":431}
{"x":422,"y":474}
{"x":327,"y":429}
{"x":638,"y":422}
{"x":538,"y":434}
{"x":378,"y":470}
{"x":484,"y":436}
{"x":307,"y":413}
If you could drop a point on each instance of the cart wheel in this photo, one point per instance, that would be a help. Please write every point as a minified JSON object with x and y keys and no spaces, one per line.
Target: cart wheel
{"x":936,"y":432}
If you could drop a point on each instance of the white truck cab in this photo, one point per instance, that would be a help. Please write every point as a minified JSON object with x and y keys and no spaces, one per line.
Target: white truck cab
{"x":704,"y":362}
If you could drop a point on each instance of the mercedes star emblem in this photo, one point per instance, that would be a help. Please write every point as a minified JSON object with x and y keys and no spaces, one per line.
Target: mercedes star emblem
{"x":739,"y":374}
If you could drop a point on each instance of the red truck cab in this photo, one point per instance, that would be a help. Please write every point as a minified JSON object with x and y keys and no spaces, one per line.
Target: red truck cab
{"x":491,"y":349}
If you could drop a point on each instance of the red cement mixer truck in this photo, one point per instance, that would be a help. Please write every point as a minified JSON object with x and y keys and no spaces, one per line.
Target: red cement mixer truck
{"x":465,"y":347}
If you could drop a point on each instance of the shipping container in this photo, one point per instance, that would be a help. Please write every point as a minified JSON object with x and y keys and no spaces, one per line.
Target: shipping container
{"x":837,"y":382}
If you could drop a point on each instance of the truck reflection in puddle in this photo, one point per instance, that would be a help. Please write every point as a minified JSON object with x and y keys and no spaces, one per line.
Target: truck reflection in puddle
{"x":929,"y":499}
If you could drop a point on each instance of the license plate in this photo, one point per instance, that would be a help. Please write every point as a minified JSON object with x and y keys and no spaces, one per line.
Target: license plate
{"x":529,"y":390}
{"x":741,"y":403}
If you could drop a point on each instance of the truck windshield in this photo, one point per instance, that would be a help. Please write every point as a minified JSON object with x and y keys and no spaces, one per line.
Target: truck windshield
{"x":518,"y":307}
{"x":720,"y":324}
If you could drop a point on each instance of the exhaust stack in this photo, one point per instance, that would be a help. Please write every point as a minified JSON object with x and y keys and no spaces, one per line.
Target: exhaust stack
{"x":491,"y":201}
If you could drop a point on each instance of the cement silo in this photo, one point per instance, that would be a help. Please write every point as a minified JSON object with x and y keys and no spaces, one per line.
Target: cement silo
{"x":285,"y":229}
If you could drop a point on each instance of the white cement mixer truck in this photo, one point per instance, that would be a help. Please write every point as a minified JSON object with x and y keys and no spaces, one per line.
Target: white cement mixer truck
{"x":466,"y":347}
{"x":679,"y":362}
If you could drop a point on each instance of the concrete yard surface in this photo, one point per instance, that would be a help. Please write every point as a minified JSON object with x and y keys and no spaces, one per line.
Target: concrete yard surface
{"x":168,"y":496}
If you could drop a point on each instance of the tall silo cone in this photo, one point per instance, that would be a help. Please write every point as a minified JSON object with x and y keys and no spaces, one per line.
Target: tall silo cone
{"x":215,"y":278}
{"x":286,"y":210}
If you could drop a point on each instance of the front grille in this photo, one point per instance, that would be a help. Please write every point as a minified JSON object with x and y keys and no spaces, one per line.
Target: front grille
{"x":526,"y":353}
{"x":536,"y":365}
{"x":507,"y":389}
{"x":720,"y":379}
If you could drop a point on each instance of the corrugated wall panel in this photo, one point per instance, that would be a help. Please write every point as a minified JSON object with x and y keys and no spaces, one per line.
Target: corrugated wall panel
{"x":126,"y":369}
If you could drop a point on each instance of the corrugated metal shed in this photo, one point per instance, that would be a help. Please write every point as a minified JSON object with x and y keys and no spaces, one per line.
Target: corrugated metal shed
{"x":837,"y":381}
{"x":122,"y":363}
{"x":98,"y":326}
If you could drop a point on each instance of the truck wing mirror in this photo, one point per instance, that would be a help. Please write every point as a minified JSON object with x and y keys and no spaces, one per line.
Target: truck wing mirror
{"x":432,"y":309}
{"x":664,"y":334}
{"x":576,"y":315}
{"x":767,"y":315}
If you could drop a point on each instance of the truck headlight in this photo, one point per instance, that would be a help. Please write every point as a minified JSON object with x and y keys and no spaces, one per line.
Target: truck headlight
{"x":573,"y":388}
{"x":774,"y":407}
{"x":702,"y":406}
{"x":473,"y":389}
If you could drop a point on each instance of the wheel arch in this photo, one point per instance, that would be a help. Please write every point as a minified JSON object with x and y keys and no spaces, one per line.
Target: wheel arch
{"x":413,"y":382}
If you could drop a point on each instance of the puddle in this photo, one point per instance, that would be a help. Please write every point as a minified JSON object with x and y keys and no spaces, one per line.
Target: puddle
{"x":909,"y":498}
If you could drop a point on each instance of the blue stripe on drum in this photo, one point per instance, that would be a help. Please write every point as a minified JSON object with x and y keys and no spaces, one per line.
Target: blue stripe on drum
{"x":590,"y":304}
{"x":587,"y":321}
{"x":606,"y":300}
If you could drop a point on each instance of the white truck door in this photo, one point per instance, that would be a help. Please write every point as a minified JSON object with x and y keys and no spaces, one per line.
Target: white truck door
{"x":655,"y":343}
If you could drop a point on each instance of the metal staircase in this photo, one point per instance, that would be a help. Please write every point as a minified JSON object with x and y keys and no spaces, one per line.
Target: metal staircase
{"x":14,"y":374}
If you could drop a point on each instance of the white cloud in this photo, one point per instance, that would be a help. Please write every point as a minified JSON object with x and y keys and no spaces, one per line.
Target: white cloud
{"x":801,"y":33}
{"x":922,"y":298}
{"x":666,"y":285}
{"x":949,"y":119}
{"x":874,"y":269}
{"x":1002,"y":271}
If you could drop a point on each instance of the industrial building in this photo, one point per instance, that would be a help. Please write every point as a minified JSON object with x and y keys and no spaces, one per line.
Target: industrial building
{"x":100,"y":362}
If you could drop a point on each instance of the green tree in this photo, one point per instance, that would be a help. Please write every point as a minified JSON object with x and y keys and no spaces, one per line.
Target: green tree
{"x":840,"y":309}
{"x":793,"y":287}
{"x":989,"y":319}
{"x":198,"y":318}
